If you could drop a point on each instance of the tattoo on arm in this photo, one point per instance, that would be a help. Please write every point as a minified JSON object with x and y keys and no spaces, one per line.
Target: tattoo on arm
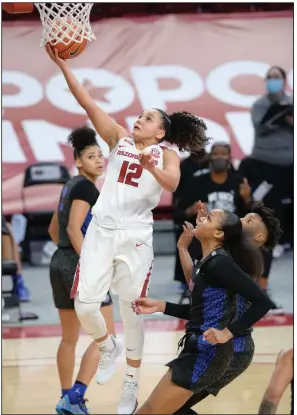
{"x":267,"y":407}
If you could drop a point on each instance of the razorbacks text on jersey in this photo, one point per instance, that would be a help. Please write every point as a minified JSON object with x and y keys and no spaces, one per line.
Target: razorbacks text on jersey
{"x":129,"y":193}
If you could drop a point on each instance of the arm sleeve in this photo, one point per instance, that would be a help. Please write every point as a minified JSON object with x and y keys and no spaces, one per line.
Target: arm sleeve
{"x":181,"y":311}
{"x":227,"y":273}
{"x":86,"y":191}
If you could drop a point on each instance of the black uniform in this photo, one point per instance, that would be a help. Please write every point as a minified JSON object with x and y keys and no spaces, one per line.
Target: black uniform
{"x":65,"y":259}
{"x":214,"y":285}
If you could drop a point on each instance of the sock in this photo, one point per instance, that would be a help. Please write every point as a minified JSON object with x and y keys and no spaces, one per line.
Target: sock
{"x":132,"y":373}
{"x":107,"y":344}
{"x":65,"y":392}
{"x":18,"y":278}
{"x":77,"y":392}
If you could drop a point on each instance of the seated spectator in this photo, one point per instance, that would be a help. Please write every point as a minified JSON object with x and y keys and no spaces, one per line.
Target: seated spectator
{"x":220,"y":188}
{"x":10,"y":251}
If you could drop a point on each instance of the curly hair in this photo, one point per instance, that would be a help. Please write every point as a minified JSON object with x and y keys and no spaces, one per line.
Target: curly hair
{"x":238,"y":243}
{"x":185,"y":130}
{"x":80,"y":139}
{"x":270,"y":221}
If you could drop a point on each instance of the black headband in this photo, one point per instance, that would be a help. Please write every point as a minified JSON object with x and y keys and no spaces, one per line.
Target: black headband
{"x":163,"y":113}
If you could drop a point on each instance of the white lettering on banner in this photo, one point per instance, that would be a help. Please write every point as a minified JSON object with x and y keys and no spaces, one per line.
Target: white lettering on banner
{"x":242,"y":127}
{"x":11,"y":149}
{"x":149,"y":92}
{"x":120,"y":94}
{"x":45,"y":139}
{"x":30,"y":91}
{"x":218,"y":82}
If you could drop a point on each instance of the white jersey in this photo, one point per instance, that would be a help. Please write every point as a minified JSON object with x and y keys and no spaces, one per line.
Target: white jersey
{"x":129,"y":192}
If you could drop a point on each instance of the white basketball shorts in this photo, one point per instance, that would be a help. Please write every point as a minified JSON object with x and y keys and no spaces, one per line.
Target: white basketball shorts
{"x":120,"y":259}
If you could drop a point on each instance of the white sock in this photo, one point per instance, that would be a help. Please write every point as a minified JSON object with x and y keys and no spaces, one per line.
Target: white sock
{"x":106,"y":344}
{"x":132,"y":373}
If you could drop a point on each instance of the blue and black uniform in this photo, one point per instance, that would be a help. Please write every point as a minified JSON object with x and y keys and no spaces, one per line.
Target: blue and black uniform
{"x":65,"y":259}
{"x":215,"y":283}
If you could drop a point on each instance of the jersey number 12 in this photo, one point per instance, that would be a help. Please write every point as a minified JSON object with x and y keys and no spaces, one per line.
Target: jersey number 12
{"x":129,"y":173}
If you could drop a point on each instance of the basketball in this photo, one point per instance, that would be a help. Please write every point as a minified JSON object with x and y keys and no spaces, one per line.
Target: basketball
{"x":66,"y":29}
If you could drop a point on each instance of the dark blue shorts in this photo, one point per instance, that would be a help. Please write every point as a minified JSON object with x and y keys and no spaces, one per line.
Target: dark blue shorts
{"x":200,"y":364}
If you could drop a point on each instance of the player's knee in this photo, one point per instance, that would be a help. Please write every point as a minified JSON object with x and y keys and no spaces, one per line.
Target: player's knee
{"x":91,"y":318}
{"x":133,"y":331}
{"x":284,"y":356}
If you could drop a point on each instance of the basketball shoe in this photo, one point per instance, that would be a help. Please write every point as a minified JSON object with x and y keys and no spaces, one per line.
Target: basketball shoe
{"x":128,"y":400}
{"x":66,"y":407}
{"x":106,"y":367}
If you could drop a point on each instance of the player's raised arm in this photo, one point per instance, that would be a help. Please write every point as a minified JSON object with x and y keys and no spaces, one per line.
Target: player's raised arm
{"x":108,"y":129}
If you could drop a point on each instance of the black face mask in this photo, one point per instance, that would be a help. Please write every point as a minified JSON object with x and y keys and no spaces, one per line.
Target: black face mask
{"x":219,"y":165}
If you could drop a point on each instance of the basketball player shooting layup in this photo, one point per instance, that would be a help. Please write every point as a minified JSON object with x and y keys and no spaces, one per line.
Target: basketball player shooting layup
{"x":117,"y":249}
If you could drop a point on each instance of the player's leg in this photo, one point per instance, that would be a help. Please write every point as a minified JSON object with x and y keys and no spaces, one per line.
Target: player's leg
{"x":196,"y":398}
{"x":280,"y":380}
{"x":19,"y":286}
{"x":75,"y":397}
{"x":132,"y":276}
{"x":90,"y":359}
{"x":62,"y":268}
{"x":166,"y":398}
{"x":91,"y":284}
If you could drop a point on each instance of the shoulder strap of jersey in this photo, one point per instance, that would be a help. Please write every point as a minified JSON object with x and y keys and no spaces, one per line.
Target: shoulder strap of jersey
{"x":200,"y":265}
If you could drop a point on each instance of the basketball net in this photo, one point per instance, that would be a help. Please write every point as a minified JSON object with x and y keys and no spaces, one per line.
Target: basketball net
{"x":65,"y":22}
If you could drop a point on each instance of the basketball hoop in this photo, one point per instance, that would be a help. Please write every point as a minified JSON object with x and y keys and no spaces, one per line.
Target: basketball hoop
{"x":65,"y":22}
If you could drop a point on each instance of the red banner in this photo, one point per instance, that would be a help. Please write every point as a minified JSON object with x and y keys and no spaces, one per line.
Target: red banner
{"x":211,"y":67}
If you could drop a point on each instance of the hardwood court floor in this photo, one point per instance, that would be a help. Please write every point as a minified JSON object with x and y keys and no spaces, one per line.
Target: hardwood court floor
{"x":30,"y":382}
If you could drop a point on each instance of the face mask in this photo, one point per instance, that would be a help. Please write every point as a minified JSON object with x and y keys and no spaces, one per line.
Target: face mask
{"x":274,"y":85}
{"x":219,"y":165}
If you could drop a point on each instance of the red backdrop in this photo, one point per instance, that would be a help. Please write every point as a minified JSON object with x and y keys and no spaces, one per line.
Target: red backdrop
{"x":212,"y":66}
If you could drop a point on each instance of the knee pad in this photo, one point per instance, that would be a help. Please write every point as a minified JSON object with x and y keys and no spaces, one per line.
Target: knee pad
{"x":133,"y":331}
{"x":91,"y":318}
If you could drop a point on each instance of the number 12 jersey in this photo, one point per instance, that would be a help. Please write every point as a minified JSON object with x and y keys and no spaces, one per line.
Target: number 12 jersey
{"x":129,"y":193}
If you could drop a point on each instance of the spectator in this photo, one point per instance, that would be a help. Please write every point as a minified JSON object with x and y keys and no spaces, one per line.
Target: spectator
{"x":10,"y":251}
{"x":269,"y":169}
{"x":220,"y":188}
{"x":196,"y":163}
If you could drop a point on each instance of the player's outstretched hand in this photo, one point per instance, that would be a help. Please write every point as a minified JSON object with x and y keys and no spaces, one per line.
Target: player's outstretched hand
{"x":144,"y":305}
{"x":186,"y":237}
{"x":202,"y":211}
{"x":146,"y":160}
{"x":215,"y":336}
{"x":53,"y":54}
